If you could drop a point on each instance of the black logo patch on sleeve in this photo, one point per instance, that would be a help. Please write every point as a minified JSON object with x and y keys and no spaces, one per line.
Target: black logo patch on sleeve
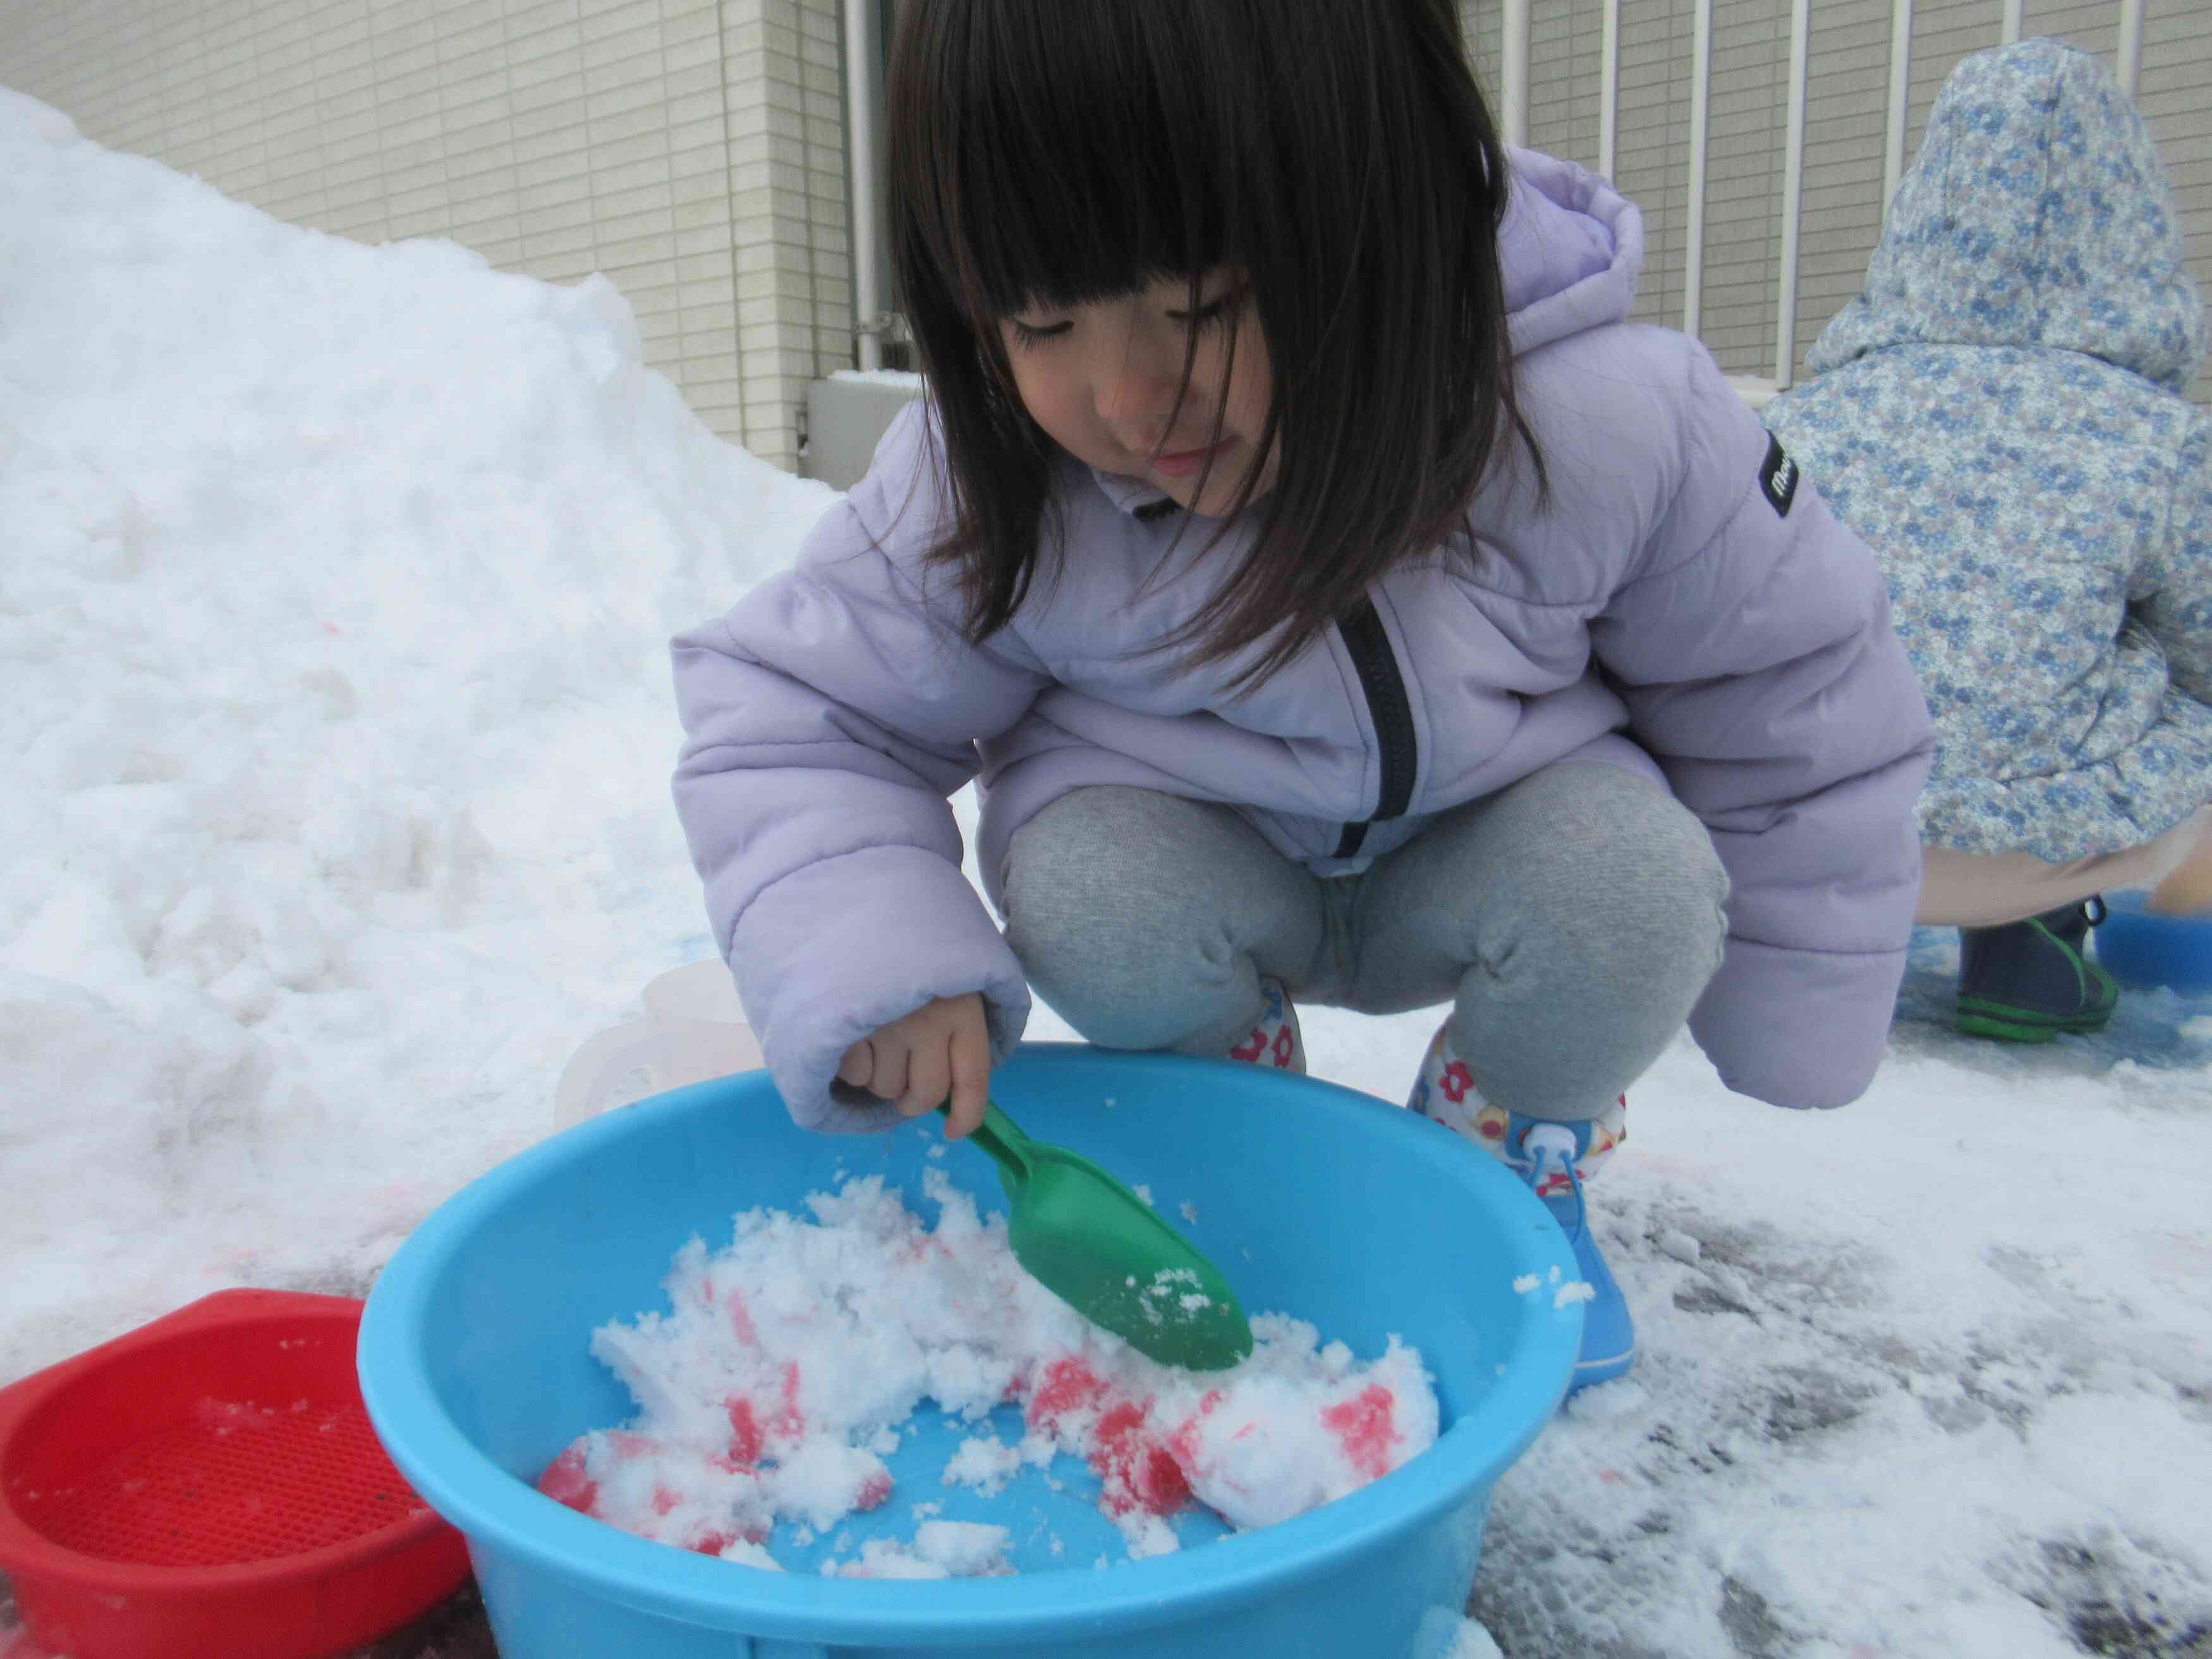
{"x":1777,"y":479}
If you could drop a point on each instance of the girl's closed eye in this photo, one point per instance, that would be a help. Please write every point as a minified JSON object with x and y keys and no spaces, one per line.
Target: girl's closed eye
{"x":1029,"y":332}
{"x":1028,"y":336}
{"x":1224,"y":308}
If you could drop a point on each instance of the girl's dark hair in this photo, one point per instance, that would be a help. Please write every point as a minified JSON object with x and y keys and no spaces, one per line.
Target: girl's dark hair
{"x":1053,"y":152}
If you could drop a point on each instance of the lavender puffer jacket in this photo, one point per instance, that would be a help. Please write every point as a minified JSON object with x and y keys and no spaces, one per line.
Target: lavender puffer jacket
{"x":1684,"y":598}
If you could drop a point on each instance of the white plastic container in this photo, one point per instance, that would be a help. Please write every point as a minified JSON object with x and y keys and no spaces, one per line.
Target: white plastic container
{"x":693,"y":1030}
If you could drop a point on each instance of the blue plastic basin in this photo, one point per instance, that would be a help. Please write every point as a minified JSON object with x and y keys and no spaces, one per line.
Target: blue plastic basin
{"x":2140,"y":948}
{"x":1319,"y":1201}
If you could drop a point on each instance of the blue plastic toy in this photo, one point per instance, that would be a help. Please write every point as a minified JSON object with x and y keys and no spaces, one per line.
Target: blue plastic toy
{"x":1317,"y":1200}
{"x":2145,"y":949}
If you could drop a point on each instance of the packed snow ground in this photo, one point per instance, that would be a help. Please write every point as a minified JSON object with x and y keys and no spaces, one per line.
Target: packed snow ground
{"x":335,"y":585}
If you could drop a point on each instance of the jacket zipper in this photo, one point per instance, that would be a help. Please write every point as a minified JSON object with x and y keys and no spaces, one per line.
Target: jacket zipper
{"x":1384,"y":683}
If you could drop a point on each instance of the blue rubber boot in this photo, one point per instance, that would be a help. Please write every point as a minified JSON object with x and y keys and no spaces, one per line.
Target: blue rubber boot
{"x":1553,"y":1151}
{"x":1554,"y":1159}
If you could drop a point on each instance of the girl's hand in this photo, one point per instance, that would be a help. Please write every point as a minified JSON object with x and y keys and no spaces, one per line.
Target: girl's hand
{"x":941,"y":1049}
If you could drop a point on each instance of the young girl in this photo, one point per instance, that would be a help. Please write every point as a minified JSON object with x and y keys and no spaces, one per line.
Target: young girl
{"x":1339,"y":601}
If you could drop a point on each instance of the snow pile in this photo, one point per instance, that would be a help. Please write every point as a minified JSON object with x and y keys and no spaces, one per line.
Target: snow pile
{"x":333,"y":792}
{"x":779,"y":1383}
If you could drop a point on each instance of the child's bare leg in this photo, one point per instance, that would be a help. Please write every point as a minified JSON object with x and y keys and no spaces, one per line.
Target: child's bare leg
{"x":2187,"y":889}
{"x":1146,"y":920}
{"x":1994,"y":889}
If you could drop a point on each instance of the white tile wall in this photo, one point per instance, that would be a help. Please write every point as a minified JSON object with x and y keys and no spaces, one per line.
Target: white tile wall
{"x":690,"y":150}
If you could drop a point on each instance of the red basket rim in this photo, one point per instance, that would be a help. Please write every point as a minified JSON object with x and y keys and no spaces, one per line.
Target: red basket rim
{"x":26,"y":1553}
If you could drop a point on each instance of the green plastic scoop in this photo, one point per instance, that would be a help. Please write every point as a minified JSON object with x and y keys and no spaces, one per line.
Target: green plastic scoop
{"x":1102,"y":1250}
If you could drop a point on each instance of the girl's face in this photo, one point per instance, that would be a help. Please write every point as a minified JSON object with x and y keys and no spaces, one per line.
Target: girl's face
{"x":1102,"y":379}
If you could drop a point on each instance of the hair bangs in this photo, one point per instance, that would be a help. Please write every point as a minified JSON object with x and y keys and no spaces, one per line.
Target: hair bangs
{"x":1087,"y":159}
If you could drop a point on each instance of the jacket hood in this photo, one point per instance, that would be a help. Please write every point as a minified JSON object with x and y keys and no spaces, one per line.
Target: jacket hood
{"x":2035,"y":215}
{"x":1571,"y":247}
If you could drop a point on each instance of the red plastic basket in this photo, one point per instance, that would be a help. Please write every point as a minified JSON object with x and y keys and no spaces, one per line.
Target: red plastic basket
{"x":209,"y":1484}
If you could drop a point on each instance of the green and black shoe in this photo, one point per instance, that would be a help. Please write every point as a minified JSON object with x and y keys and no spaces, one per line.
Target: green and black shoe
{"x":2031,"y":980}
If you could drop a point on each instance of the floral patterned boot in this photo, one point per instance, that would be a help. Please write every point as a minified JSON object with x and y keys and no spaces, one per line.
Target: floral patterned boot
{"x":1555,"y":1158}
{"x":1275,"y":1041}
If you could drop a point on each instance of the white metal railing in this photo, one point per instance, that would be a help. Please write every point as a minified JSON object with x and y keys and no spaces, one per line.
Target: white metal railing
{"x":2131,"y":52}
{"x":1513,"y":115}
{"x":1793,"y":190}
{"x":1701,"y":87}
{"x":864,"y":150}
{"x":1609,"y":88}
{"x":1513,"y":62}
{"x":1900,"y":95}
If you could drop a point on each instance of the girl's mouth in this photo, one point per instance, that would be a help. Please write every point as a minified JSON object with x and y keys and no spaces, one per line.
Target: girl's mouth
{"x":1188,"y":463}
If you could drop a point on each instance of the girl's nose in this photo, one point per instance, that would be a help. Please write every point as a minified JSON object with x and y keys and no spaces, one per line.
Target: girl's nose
{"x":1136,"y":392}
{"x":1138,"y":401}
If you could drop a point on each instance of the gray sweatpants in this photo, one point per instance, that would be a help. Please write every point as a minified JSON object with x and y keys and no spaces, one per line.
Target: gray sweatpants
{"x":1571,"y":919}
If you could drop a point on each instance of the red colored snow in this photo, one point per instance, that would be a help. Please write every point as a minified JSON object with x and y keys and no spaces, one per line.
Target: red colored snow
{"x":744,"y":1432}
{"x":664,"y":1500}
{"x":790,"y":1420}
{"x":878,"y":1487}
{"x":741,"y":1319}
{"x":750,"y":1437}
{"x":1139,"y":1471}
{"x":1069,"y":1385}
{"x":1363,"y":1425}
{"x":565,"y":1482}
{"x":712,"y":1543}
{"x":628,"y":1445}
{"x":1183,"y":1443}
{"x":1123,"y":1419}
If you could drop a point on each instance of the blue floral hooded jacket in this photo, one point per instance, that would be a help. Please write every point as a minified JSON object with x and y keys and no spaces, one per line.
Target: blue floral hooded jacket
{"x":2000,"y":416}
